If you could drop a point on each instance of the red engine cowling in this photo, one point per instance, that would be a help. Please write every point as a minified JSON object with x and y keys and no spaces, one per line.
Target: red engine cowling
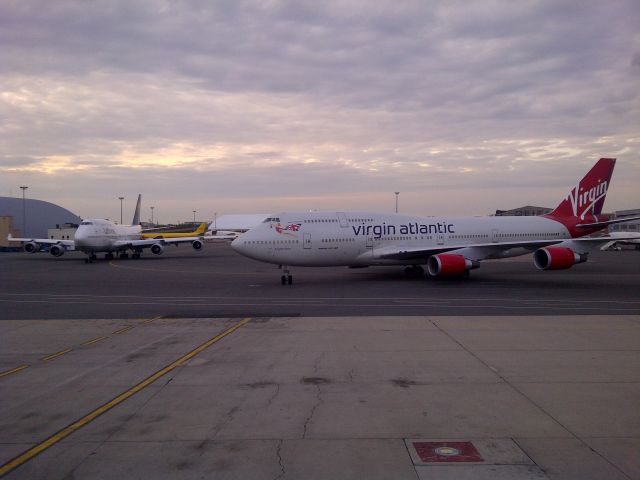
{"x":449,"y":265}
{"x":557,"y":258}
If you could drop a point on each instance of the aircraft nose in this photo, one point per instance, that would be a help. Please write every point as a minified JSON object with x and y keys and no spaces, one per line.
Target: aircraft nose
{"x":80,"y":236}
{"x":237,"y":245}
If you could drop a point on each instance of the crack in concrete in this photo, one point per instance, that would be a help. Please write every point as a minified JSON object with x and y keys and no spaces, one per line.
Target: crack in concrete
{"x":273,"y":397}
{"x":228,"y":418}
{"x":280,"y":462}
{"x":313,"y":411}
{"x":316,"y":368}
{"x":316,"y":364}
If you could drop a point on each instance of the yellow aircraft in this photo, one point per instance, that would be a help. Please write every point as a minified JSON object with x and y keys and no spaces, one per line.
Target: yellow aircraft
{"x":196,"y":233}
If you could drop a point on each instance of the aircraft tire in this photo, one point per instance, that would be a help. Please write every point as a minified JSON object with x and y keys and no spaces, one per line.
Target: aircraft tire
{"x":415,"y":271}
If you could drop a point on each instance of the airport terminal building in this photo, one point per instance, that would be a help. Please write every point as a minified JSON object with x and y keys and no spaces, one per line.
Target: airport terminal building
{"x":526,"y":211}
{"x":632,"y":226}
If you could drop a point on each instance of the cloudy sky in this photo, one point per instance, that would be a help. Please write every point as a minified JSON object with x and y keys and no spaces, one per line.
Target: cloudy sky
{"x":242,"y":106}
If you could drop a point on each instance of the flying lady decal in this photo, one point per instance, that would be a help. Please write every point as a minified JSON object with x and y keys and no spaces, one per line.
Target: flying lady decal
{"x":291,"y":227}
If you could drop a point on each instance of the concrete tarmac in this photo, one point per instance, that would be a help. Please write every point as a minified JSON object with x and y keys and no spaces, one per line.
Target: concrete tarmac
{"x":324,"y":397}
{"x":201,"y":365}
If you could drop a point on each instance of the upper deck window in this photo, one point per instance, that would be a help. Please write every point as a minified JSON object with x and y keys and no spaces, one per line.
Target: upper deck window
{"x":86,"y":223}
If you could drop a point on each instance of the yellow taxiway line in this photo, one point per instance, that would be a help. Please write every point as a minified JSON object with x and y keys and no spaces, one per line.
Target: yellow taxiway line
{"x":122,"y":330}
{"x":13,"y":370}
{"x":68,"y":430}
{"x":67,"y":350}
{"x":56,"y":355}
{"x":152,"y":319}
{"x":94,"y":340}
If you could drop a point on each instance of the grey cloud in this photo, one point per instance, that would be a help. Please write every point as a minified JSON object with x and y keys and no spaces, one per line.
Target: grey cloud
{"x":368,"y":90}
{"x":9,"y":161}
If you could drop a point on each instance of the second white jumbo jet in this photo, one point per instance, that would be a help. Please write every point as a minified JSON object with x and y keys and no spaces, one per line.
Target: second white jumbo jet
{"x":99,"y":235}
{"x":448,"y":246}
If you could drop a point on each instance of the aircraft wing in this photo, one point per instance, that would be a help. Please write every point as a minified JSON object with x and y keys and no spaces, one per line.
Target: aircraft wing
{"x":479,"y":251}
{"x":68,"y":244}
{"x":149,"y":242}
{"x":625,"y":238}
{"x":484,"y":251}
{"x":211,"y":238}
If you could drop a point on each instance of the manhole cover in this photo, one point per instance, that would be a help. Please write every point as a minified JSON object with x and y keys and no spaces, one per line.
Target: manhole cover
{"x":447,"y":452}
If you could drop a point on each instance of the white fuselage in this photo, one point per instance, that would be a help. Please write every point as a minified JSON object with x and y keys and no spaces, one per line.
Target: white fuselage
{"x":99,"y":235}
{"x":356,"y":238}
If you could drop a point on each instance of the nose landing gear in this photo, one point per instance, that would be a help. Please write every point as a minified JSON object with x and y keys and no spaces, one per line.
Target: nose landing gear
{"x":286,"y":278}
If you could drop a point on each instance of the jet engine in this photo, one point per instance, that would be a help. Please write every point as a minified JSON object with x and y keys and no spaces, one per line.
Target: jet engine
{"x":557,"y":258}
{"x":196,"y":244}
{"x":57,"y":250}
{"x":157,"y":249}
{"x":450,"y":265}
{"x":31,"y":247}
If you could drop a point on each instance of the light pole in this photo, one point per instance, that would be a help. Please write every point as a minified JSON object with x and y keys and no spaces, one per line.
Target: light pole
{"x":152,"y":215}
{"x":121,"y":199}
{"x":215,"y":219}
{"x":24,"y":211}
{"x":194,"y":216}
{"x":397,"y":193}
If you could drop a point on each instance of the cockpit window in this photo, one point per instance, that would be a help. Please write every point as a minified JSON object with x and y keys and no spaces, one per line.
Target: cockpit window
{"x":271,"y":219}
{"x":86,"y":223}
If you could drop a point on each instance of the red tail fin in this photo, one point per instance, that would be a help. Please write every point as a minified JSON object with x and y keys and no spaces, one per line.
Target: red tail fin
{"x":587,"y":198}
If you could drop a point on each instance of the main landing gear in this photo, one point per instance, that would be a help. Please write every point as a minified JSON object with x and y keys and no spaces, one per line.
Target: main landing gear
{"x":135,"y":254}
{"x":414,"y":271}
{"x":286,"y":278}
{"x":111,"y":256}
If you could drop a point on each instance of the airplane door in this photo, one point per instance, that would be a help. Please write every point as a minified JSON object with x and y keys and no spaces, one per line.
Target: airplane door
{"x":306,"y":242}
{"x":342,"y":218}
{"x":369,"y":241}
{"x":494,"y":235}
{"x":440,"y":239}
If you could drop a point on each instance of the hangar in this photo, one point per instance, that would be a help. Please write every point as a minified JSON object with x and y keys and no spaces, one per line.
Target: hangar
{"x":39,"y":215}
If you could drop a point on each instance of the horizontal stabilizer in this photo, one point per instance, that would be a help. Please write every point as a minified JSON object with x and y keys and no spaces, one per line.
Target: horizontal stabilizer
{"x":606,"y":222}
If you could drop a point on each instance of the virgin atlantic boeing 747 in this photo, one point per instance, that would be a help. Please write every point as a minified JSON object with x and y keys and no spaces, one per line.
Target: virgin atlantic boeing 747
{"x":449,"y":247}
